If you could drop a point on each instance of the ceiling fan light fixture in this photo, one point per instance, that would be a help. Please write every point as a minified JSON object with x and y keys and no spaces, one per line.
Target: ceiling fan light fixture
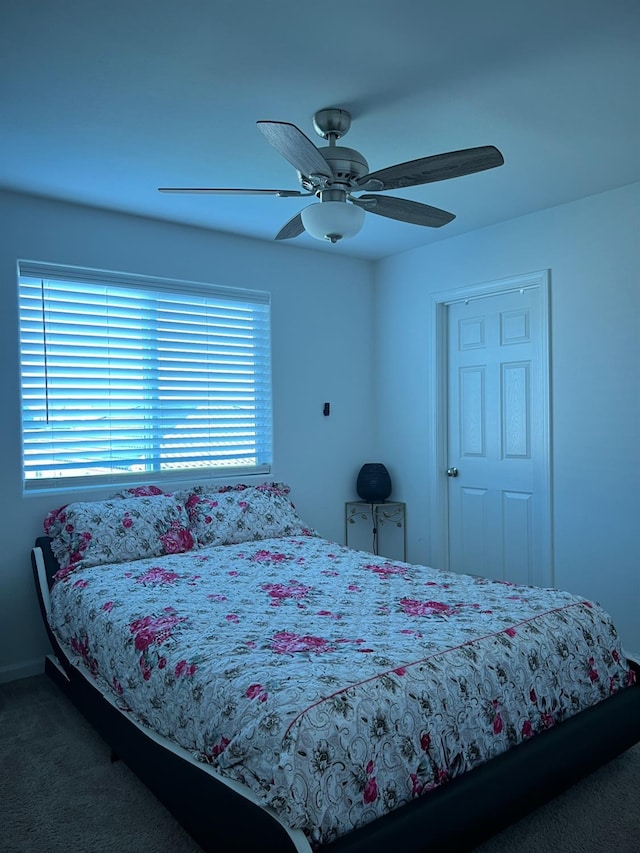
{"x":332,"y":220}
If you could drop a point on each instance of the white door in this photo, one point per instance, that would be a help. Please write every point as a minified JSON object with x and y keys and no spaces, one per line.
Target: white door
{"x":497,"y":462}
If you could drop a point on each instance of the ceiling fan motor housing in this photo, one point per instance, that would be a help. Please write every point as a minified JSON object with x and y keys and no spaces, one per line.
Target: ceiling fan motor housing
{"x":347,"y":166}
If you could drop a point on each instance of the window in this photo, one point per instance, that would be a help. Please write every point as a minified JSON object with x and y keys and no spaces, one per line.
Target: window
{"x":125,"y":377}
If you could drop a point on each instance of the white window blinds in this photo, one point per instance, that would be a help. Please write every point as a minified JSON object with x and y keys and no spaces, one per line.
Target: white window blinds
{"x":124,"y":376}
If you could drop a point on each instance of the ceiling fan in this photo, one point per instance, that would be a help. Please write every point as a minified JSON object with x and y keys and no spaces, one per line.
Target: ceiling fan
{"x":333,"y":173}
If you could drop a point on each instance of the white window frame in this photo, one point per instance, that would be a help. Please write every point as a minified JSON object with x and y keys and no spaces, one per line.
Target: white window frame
{"x":106,"y":397}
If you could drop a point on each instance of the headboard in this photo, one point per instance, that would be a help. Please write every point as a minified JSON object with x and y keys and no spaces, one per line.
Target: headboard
{"x":50,"y":563}
{"x":44,"y":566}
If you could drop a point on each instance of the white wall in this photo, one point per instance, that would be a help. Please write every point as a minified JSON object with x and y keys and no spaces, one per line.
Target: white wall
{"x":322,"y":316}
{"x":592,"y":248}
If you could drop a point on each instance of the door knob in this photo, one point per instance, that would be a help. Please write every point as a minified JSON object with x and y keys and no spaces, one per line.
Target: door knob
{"x":452,"y":472}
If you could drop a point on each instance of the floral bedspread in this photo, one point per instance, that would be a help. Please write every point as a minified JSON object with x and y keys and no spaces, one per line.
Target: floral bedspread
{"x":335,"y":684}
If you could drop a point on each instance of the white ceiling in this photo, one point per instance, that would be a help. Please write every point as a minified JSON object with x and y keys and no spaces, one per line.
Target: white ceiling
{"x":102,"y":102}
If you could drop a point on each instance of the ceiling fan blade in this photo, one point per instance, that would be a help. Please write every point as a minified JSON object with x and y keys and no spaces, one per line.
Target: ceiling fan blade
{"x":439,"y":167}
{"x":295,"y":147}
{"x":404,"y":210}
{"x":293,"y":228}
{"x":231,"y":191}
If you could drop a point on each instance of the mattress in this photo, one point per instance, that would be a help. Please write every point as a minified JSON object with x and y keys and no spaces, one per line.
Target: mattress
{"x":334,"y":684}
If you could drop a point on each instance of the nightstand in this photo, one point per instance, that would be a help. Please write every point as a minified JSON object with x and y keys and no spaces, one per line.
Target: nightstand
{"x":377,"y":527}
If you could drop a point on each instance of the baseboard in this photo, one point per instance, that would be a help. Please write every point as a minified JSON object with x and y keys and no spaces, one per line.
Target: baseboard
{"x":25,"y":669}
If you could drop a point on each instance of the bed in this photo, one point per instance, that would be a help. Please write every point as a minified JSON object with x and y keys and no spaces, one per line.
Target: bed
{"x":278,"y":691}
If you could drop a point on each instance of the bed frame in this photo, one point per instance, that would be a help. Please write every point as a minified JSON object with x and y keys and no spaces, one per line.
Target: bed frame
{"x":222,"y":815}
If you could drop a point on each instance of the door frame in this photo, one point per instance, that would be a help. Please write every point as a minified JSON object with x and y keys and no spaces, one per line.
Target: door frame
{"x":438,"y":374}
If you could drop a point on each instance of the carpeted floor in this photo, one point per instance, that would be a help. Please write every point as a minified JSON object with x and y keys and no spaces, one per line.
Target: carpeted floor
{"x":60,"y":793}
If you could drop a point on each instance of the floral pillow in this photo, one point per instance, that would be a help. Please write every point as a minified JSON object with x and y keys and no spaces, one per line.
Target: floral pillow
{"x":118,"y":530}
{"x":55,"y":518}
{"x":227,"y":515}
{"x":54,"y":521}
